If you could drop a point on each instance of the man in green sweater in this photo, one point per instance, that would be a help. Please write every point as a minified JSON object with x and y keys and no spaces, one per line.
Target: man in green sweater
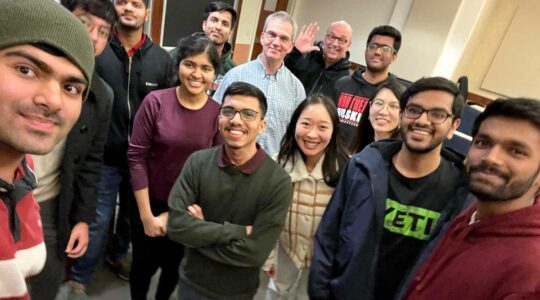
{"x":229,"y":204}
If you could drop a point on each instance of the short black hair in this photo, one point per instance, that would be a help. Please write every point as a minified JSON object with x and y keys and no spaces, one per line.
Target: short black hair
{"x":241,"y":88}
{"x":194,"y":44}
{"x":526,"y":109}
{"x":220,"y":6}
{"x":100,"y":8}
{"x":387,"y":30}
{"x":437,"y":84}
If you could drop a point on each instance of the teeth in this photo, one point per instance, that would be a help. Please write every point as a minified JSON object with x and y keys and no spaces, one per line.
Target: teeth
{"x":421,"y":132}
{"x":235,"y":131}
{"x":310,"y":144}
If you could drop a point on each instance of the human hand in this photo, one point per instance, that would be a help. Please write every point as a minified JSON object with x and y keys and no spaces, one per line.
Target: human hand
{"x":154,"y":226}
{"x":306,"y":38}
{"x":196,"y":211}
{"x":78,"y":240}
{"x":164,"y":217}
{"x":249,"y":228}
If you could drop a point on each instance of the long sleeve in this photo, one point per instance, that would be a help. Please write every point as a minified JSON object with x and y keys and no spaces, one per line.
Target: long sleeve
{"x":253,"y":250}
{"x":86,"y":189}
{"x":185,"y":228}
{"x":140,"y":144}
{"x":325,"y":244}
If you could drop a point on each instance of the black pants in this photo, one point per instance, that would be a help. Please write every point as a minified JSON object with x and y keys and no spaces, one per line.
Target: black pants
{"x":45,"y":285}
{"x":149,"y":254}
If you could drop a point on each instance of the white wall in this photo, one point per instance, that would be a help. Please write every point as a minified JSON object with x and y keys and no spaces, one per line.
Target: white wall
{"x":362,"y":15}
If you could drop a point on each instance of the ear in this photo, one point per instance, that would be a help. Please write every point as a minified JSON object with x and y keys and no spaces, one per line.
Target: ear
{"x":453,"y":128}
{"x":204,"y":25}
{"x":262,"y":126}
{"x":262,"y":37}
{"x":147,"y":17}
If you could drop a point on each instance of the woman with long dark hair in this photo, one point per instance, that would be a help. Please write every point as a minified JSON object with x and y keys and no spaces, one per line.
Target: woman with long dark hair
{"x":169,"y":126}
{"x":313,"y":154}
{"x":380,"y":119}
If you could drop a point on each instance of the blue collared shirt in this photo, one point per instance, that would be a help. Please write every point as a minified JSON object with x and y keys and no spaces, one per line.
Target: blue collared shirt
{"x":283,"y":92}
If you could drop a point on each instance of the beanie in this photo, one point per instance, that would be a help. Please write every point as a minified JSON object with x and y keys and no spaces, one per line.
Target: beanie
{"x":45,"y":21}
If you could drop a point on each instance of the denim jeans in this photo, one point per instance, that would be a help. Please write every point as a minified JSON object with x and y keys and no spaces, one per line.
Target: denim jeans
{"x":113,"y":181}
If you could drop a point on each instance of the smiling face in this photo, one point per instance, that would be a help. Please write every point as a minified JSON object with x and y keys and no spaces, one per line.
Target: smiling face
{"x":313,"y":132}
{"x":385,"y":119}
{"x":196,"y":73}
{"x":276,"y":40}
{"x":40,"y":98}
{"x":237,"y":133}
{"x":421,"y":135}
{"x":376,"y":60}
{"x":218,"y":26}
{"x":501,"y":164}
{"x":336,"y":42}
{"x":131,"y":13}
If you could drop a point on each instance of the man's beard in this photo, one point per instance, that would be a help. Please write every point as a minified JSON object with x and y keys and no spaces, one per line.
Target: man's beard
{"x":506,"y":191}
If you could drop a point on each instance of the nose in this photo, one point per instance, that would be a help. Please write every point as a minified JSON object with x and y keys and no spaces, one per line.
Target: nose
{"x":492,"y":155}
{"x":94,"y":34}
{"x":49,"y":96}
{"x":423,"y":118}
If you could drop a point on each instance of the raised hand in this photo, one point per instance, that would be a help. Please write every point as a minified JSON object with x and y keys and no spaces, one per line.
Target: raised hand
{"x":306,"y":38}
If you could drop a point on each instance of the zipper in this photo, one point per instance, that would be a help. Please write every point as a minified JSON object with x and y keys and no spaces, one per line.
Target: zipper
{"x":128,"y":103}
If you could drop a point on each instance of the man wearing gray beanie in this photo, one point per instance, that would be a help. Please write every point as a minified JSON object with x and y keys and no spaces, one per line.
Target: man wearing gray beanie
{"x":46,"y":62}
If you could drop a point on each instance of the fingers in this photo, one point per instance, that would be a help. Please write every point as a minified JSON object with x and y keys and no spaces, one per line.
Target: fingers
{"x":76,"y":247}
{"x":249,"y":228}
{"x":196,"y":211}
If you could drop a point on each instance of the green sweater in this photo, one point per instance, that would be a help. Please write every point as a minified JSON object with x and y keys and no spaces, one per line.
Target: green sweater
{"x":221,"y":260}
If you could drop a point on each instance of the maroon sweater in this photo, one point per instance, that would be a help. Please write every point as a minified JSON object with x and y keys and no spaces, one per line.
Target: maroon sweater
{"x":164,"y":134}
{"x":495,"y":258}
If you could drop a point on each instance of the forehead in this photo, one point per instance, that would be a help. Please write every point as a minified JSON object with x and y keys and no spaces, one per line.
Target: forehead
{"x":81,"y":14}
{"x":280,"y":27}
{"x":198,"y":58}
{"x":432,"y":99}
{"x":316,"y":111}
{"x":386,"y":94}
{"x":240,"y":102}
{"x":340,"y":30}
{"x":503,"y":130}
{"x":382,"y":40}
{"x":221,"y":15}
{"x":130,"y":1}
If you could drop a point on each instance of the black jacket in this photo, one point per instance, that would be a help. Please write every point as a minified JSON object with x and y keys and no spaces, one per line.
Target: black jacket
{"x":81,"y":163}
{"x":149,"y":69}
{"x":310,"y":69}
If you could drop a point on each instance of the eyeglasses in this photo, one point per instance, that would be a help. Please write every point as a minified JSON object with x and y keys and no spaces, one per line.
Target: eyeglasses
{"x":272,"y":36}
{"x":332,"y":38}
{"x":245,"y":114}
{"x":435,"y":115}
{"x":379,"y":104}
{"x":384,"y":48}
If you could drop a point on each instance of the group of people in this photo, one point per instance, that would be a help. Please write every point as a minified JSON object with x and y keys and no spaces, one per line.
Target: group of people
{"x":334,"y":184}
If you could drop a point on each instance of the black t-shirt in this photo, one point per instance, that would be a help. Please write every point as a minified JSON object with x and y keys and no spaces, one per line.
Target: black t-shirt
{"x":413,"y":208}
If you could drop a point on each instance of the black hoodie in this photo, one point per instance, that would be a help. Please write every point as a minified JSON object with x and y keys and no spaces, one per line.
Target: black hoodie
{"x":150,"y":68}
{"x":310,"y":69}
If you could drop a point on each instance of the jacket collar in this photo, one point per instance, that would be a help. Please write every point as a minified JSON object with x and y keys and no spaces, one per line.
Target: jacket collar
{"x":299,"y":172}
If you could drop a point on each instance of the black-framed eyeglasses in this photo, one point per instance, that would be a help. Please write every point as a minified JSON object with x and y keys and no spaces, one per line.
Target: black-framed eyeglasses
{"x":436,"y":115}
{"x":245,"y":114}
{"x":331,"y":38}
{"x":384,"y":48}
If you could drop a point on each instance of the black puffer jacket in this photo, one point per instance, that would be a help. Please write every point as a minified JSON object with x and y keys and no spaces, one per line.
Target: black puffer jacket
{"x":310,"y":69}
{"x":150,"y":68}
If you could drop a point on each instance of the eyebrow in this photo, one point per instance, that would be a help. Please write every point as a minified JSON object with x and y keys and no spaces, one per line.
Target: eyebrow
{"x":44,"y":67}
